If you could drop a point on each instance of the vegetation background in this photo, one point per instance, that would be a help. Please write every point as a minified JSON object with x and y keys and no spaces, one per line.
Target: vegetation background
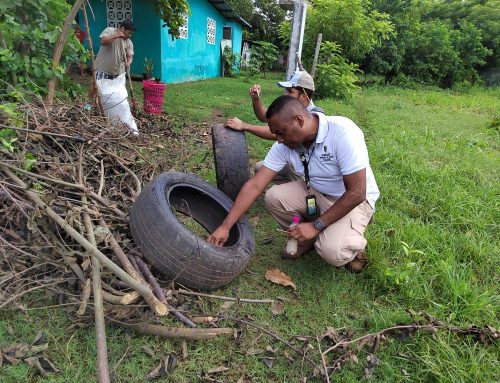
{"x":434,"y":247}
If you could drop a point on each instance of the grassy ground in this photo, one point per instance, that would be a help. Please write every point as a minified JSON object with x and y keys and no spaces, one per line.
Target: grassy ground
{"x":434,"y":247}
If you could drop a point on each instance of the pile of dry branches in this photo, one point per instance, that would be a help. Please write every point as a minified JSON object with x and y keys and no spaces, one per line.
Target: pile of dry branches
{"x":65,"y":190}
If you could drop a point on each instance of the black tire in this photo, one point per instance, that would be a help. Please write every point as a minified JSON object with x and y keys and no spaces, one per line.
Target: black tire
{"x":176,"y":251}
{"x":232,"y":167}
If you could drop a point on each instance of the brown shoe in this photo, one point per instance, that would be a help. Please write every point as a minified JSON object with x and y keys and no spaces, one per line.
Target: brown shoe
{"x":358,"y":264}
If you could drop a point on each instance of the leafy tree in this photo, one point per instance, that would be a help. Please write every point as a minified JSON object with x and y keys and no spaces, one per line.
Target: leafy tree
{"x":483,"y":14}
{"x":438,"y":53}
{"x":349,"y":23}
{"x":244,"y":8}
{"x":388,"y":57}
{"x":28,"y":32}
{"x":263,"y":55}
{"x":335,"y":77}
{"x":266,"y":22}
{"x":172,"y":13}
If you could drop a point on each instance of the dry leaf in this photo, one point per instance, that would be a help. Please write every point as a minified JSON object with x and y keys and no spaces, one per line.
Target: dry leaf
{"x":279,"y":277}
{"x":165,"y":368}
{"x":268,"y":362}
{"x":148,"y":350}
{"x":226,"y":305}
{"x":216,"y":370}
{"x":277,"y":308}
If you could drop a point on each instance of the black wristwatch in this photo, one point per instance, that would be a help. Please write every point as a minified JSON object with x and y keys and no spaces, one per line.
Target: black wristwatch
{"x":319,"y":224}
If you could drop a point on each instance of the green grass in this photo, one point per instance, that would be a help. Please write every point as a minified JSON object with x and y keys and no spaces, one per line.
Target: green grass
{"x":434,"y":247}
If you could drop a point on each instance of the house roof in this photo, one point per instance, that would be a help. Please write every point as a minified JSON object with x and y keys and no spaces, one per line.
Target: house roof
{"x":229,"y":13}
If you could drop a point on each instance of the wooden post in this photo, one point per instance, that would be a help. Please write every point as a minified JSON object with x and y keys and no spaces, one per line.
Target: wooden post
{"x":51,"y":85}
{"x":316,"y":54}
{"x":91,"y":51}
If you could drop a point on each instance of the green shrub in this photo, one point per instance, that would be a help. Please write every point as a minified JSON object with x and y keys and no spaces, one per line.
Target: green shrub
{"x":335,"y":76}
{"x":231,"y":62}
{"x":263,"y":56}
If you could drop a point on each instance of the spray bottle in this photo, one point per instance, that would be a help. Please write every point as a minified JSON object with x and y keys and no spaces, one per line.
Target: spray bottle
{"x":291,"y":245}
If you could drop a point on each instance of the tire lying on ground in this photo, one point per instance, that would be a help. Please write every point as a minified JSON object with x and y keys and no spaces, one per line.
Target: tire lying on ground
{"x":231,"y":159}
{"x":176,"y":251}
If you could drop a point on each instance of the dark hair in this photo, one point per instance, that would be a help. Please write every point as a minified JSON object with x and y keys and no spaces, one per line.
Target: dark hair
{"x":284,"y":103}
{"x":309,"y":92}
{"x":128,"y":25}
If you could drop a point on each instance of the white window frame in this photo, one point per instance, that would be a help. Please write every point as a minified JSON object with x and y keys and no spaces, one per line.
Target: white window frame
{"x":211,"y":30}
{"x":117,"y":11}
{"x":184,"y":29}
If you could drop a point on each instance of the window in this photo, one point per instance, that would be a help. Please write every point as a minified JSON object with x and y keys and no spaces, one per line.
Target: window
{"x":210,"y":31}
{"x":226,"y":33}
{"x":183,"y":30}
{"x":117,"y":11}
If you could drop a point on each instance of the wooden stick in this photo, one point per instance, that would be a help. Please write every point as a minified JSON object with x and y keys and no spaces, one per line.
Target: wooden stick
{"x":126,"y":299}
{"x":180,"y":333}
{"x":160,"y":294}
{"x":120,"y":254}
{"x":44,"y":133}
{"x":316,"y":54}
{"x":68,"y":184}
{"x":91,"y":51}
{"x":426,"y":327}
{"x":145,"y":291}
{"x":242,"y":300}
{"x":51,"y":85}
{"x":100,"y":326}
{"x":323,"y":362}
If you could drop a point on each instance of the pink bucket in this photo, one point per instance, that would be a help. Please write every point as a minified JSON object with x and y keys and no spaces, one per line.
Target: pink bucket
{"x":153,"y":96}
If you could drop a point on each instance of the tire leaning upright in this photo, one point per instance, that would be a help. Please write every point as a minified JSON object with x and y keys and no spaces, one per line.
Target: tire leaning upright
{"x":232,"y":167}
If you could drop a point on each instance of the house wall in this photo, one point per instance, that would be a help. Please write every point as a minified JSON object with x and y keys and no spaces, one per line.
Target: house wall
{"x":174,"y":61}
{"x":194,"y":58}
{"x":146,"y":38}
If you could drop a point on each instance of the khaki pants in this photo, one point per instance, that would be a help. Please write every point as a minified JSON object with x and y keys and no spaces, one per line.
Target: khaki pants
{"x":338,"y":243}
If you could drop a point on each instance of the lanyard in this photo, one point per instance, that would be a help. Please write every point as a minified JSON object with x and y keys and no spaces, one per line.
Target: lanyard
{"x":306,"y":168}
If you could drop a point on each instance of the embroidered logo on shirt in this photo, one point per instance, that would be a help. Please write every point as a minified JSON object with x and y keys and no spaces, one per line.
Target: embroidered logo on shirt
{"x":325,"y":156}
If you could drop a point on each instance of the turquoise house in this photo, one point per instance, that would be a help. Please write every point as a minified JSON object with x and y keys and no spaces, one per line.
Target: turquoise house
{"x":196,"y":55}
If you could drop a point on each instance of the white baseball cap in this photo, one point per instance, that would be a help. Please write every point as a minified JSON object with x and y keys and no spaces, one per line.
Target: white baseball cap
{"x":299,"y":79}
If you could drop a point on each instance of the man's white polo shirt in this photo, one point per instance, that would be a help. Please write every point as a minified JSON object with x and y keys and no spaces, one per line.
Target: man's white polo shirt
{"x":339,"y":150}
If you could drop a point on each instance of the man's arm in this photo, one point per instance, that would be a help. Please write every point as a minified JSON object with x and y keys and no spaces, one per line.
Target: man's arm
{"x":129,"y":60}
{"x":248,"y":194}
{"x":109,"y":40}
{"x":258,"y":108}
{"x":355,"y":185}
{"x":262,"y":131}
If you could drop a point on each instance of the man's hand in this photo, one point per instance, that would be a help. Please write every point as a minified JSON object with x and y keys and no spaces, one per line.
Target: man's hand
{"x":219,"y":236}
{"x":254,"y":92}
{"x":119,"y":34}
{"x":303,"y":232}
{"x":235,"y":124}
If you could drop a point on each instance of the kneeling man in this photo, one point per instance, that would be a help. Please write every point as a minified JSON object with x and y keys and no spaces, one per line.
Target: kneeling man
{"x":336,"y":199}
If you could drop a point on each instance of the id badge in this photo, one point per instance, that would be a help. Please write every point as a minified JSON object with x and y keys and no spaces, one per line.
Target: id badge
{"x":311,"y":206}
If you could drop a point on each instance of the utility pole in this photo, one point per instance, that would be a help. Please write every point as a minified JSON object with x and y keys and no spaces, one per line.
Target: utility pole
{"x":299,"y":8}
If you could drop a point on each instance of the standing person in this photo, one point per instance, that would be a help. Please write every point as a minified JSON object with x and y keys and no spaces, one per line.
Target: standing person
{"x":336,"y":200}
{"x":300,"y":86}
{"x":115,"y":43}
